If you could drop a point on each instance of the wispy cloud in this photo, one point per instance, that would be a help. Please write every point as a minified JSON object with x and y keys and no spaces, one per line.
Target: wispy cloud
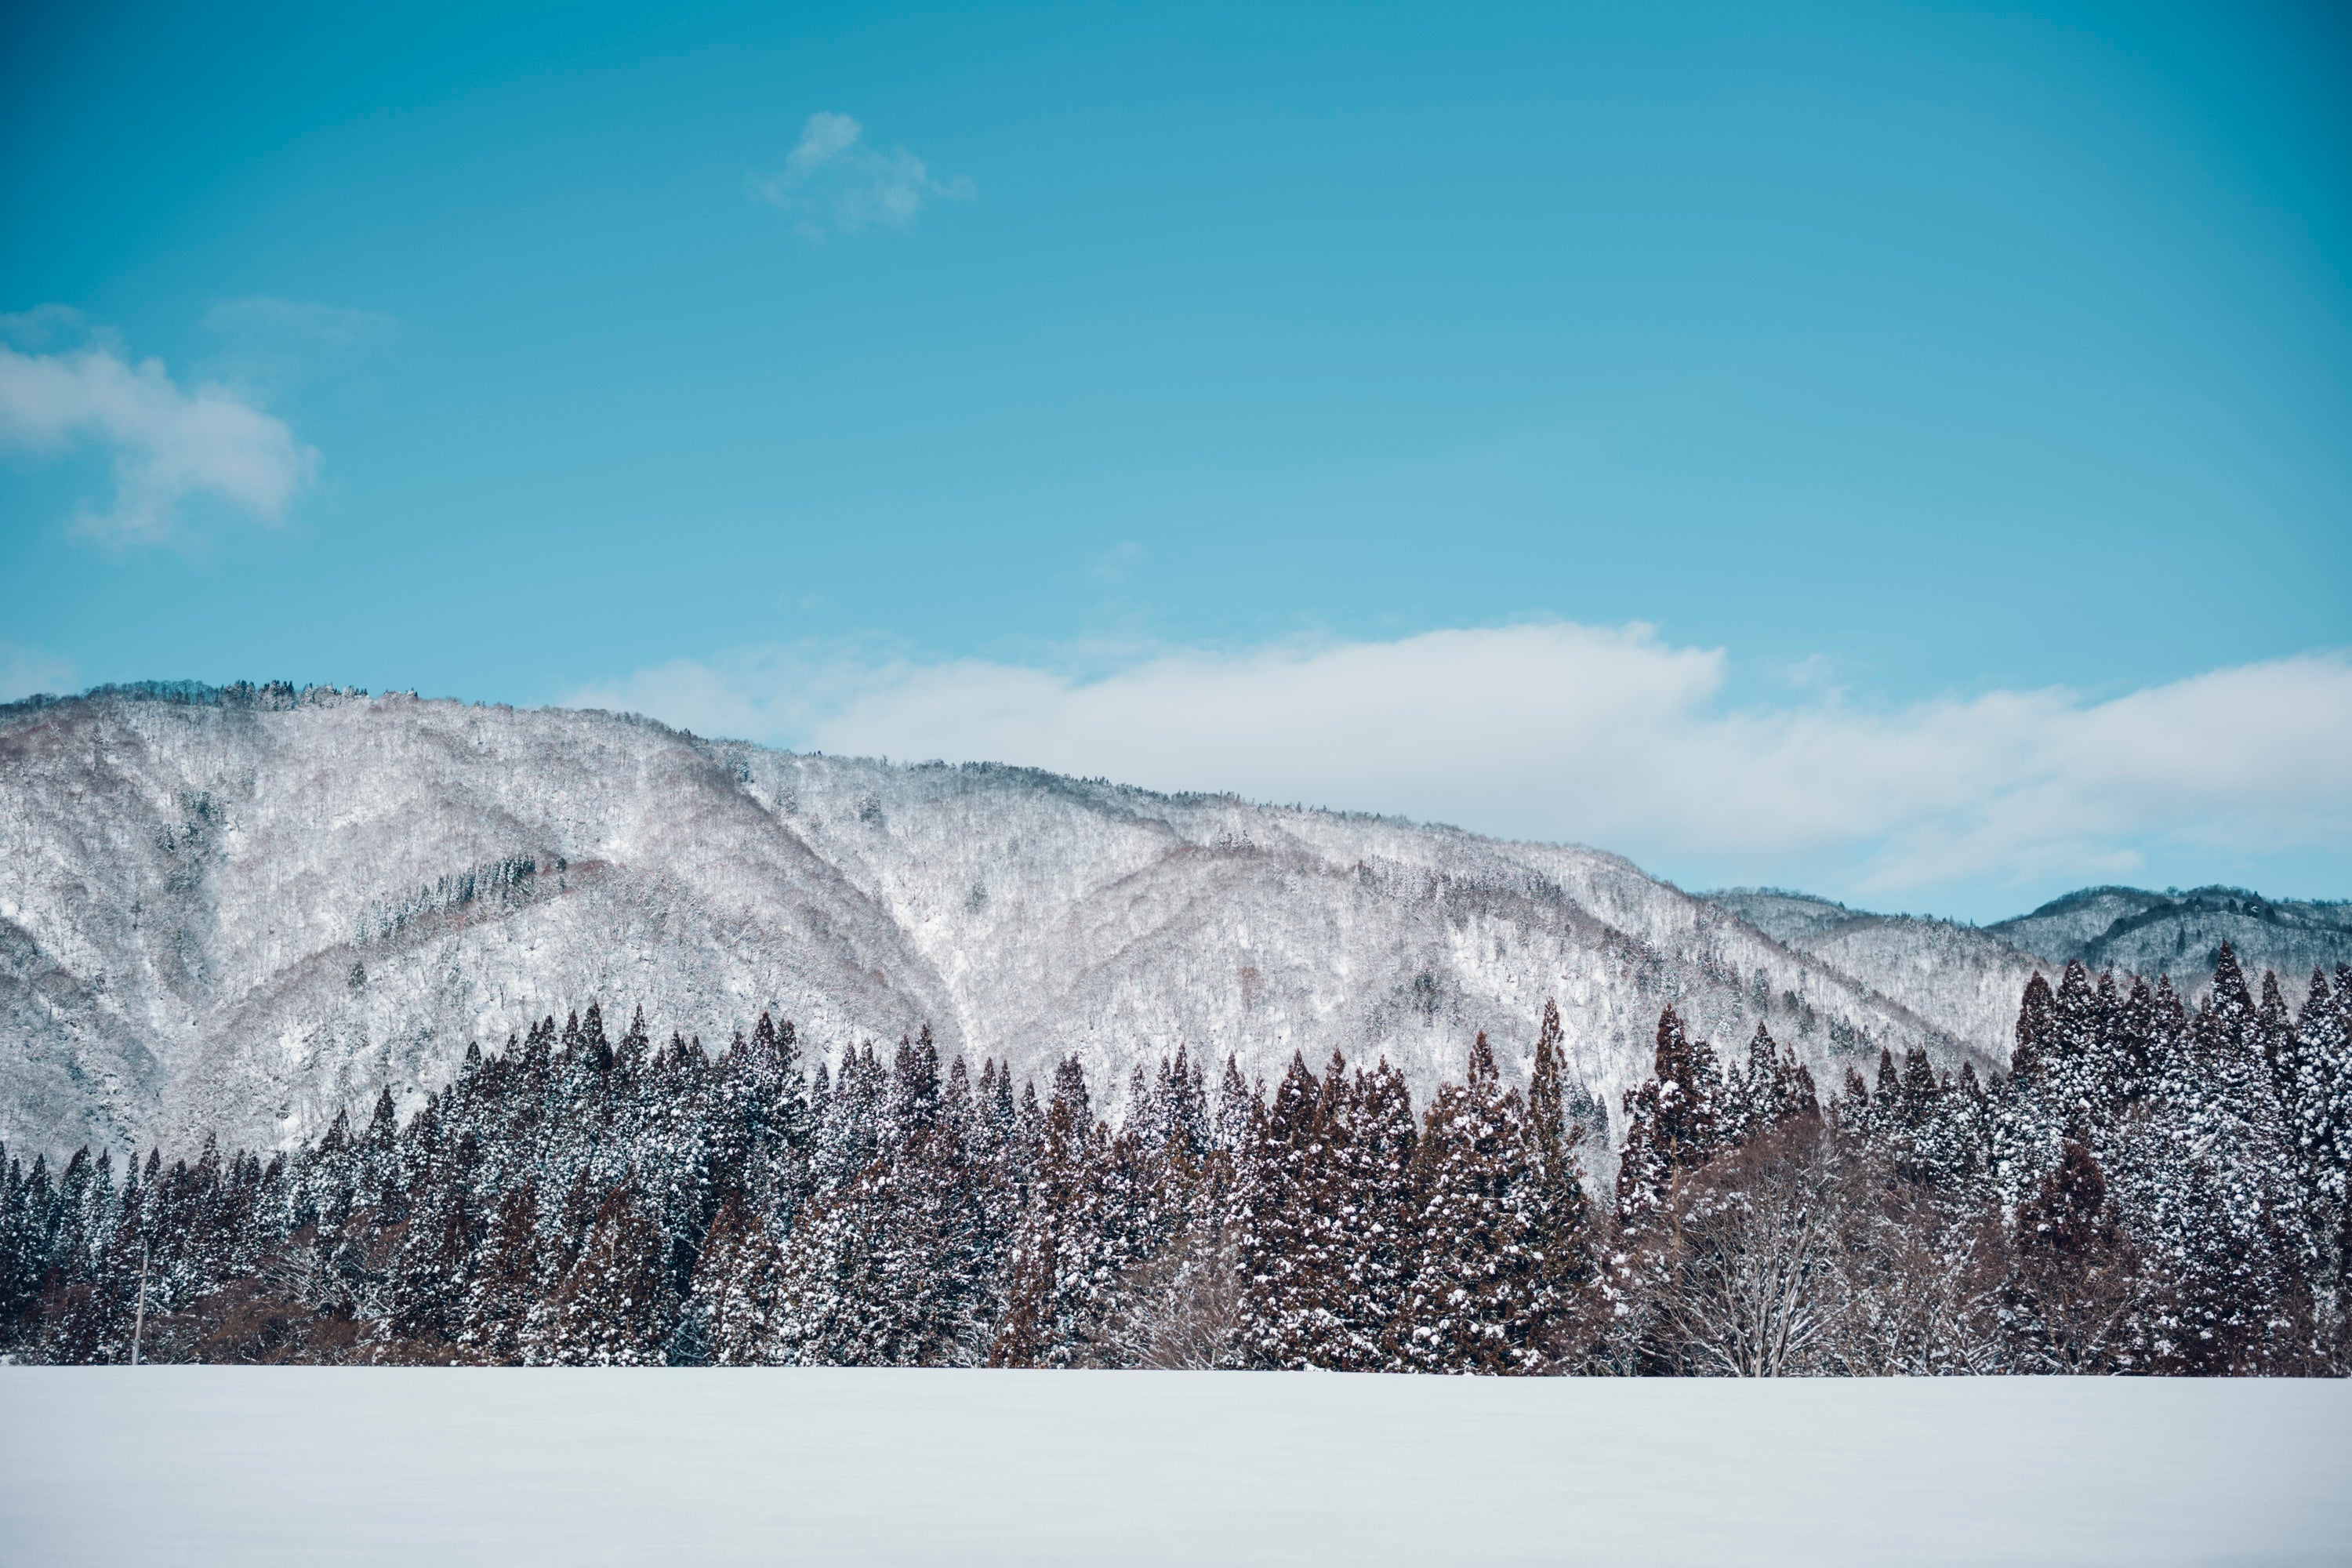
{"x":1611,"y":736}
{"x":301,"y":321}
{"x":168,"y":443}
{"x":269,"y":345}
{"x":834,"y":181}
{"x":26,"y":671}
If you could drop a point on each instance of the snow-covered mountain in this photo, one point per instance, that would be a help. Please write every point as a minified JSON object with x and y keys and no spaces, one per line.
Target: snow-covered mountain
{"x":242,"y":910}
{"x":1966,"y":979}
{"x":1962,"y":980}
{"x":2151,"y":934}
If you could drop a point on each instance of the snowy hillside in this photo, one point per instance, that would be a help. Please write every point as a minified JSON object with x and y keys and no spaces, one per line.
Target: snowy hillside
{"x":1962,"y":980}
{"x":2150,"y":933}
{"x":1966,"y":979}
{"x":241,"y":910}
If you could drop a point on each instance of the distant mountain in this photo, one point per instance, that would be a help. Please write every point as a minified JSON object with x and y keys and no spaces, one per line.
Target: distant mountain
{"x":241,"y":910}
{"x":1966,"y":979}
{"x":1963,"y":980}
{"x":2179,"y":933}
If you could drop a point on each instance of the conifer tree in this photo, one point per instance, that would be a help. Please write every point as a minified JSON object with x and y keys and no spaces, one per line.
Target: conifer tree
{"x":2134,"y":1051}
{"x":432,"y":1273}
{"x":1238,"y":1111}
{"x":1557,"y":1223}
{"x":507,"y":1282}
{"x":1378,"y":1217}
{"x":1051,"y":1285}
{"x":1476,"y":1302}
{"x":2067,"y":1304}
{"x":2323,"y":1091}
{"x":736,"y":1291}
{"x":610,"y":1308}
{"x":2036,"y":1034}
{"x":2075,"y":1072}
{"x":2210,"y":1191}
{"x":1286,"y":1244}
{"x":1672,"y":1120}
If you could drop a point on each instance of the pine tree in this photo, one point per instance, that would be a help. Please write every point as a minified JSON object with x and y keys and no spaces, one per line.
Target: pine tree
{"x":736,"y":1291}
{"x":1476,"y":1302}
{"x":2067,"y":1301}
{"x":1051,"y":1288}
{"x":1558,"y":1222}
{"x":1287,"y":1247}
{"x":505,"y":1282}
{"x":610,"y":1308}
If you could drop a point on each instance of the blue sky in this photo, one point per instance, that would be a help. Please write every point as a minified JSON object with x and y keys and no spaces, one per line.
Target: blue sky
{"x":1886,"y":397}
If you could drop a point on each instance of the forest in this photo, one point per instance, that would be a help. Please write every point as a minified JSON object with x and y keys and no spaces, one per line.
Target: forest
{"x":2147,"y":1189}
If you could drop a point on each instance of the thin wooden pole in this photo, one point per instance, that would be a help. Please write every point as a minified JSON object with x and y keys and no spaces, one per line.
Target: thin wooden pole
{"x":139,"y":1324}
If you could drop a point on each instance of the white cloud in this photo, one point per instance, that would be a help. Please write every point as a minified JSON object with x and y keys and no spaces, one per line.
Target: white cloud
{"x":834,"y":179}
{"x":1612,"y":737}
{"x":26,"y":671}
{"x":42,"y":325}
{"x":169,"y":443}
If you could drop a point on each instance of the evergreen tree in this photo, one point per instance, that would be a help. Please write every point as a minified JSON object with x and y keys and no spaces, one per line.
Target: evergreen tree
{"x":1672,"y":1120}
{"x":1476,"y":1302}
{"x":611,"y":1306}
{"x":432,"y":1274}
{"x":1051,"y":1298}
{"x":1557,"y":1217}
{"x":2323,"y":1091}
{"x":2067,"y":1301}
{"x":1288,"y":1242}
{"x":736,"y":1293}
{"x":1378,"y":1217}
{"x":507,"y":1282}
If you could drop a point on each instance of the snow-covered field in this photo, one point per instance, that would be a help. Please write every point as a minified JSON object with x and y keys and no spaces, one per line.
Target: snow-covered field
{"x":192,"y":1466}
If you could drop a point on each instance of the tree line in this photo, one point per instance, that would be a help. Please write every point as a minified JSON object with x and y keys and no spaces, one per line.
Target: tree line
{"x":2145,"y":1190}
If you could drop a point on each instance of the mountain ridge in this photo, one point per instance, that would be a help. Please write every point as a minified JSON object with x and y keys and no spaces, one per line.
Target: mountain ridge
{"x":2132,"y":931}
{"x":242,"y":908}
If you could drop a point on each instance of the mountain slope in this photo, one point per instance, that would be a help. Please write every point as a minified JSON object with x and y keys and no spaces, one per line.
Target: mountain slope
{"x":2175,"y":933}
{"x":243,"y":909}
{"x":1966,"y":979}
{"x":1962,"y":980}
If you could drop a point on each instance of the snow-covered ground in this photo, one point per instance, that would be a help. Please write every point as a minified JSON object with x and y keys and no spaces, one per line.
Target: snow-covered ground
{"x":193,"y":1466}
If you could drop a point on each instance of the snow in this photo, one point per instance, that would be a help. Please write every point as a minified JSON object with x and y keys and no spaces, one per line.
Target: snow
{"x":196,"y":1466}
{"x":239,"y":918}
{"x":2174,"y":932}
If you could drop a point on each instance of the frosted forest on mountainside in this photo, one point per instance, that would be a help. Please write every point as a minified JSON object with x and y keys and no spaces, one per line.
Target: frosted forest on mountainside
{"x":246,"y":911}
{"x":1557,"y":1115}
{"x":2145,"y":1190}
